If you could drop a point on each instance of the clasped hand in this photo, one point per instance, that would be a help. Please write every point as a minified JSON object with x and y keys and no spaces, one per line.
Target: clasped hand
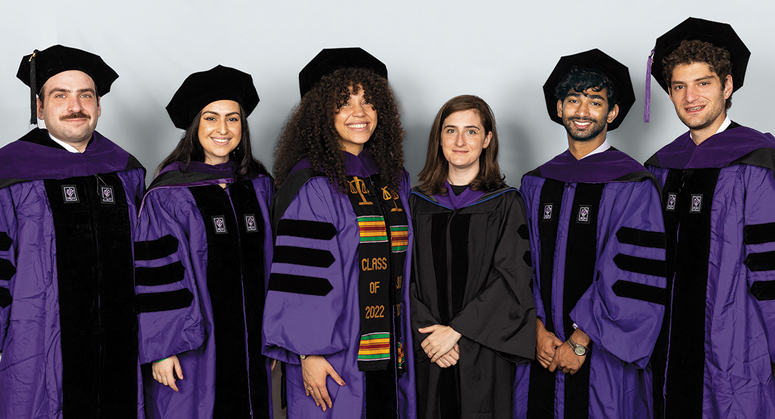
{"x":442,"y":345}
{"x":554,"y":354}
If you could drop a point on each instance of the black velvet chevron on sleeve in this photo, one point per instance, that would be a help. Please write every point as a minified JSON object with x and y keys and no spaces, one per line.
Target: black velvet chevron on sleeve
{"x":298,"y":284}
{"x":5,"y":241}
{"x":303,"y":256}
{"x":156,"y":249}
{"x":306,"y":229}
{"x":7,"y":269}
{"x":5,"y":297}
{"x":764,"y":261}
{"x":763,"y":290}
{"x":164,"y":301}
{"x":759,"y":233}
{"x":637,"y":237}
{"x":641,"y":265}
{"x":643,"y":292}
{"x":523,"y":232}
{"x":161,"y":275}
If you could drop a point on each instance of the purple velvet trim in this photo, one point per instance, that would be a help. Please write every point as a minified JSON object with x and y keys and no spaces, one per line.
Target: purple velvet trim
{"x":225,"y":170}
{"x":599,"y":168}
{"x":362,"y":165}
{"x":222,"y":173}
{"x":717,"y":151}
{"x":30,"y":161}
{"x":466,"y":198}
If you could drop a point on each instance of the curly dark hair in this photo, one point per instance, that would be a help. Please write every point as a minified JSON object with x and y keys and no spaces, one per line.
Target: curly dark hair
{"x":696,"y":51}
{"x":434,"y":174}
{"x":581,"y":79}
{"x":310,"y":132}
{"x":190,"y":149}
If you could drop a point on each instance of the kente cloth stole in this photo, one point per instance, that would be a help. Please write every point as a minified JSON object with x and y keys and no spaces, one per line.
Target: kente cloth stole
{"x":384,"y":236}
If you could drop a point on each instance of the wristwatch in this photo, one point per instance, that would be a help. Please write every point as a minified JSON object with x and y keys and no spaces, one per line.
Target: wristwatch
{"x":302,"y":357}
{"x":578,"y":349}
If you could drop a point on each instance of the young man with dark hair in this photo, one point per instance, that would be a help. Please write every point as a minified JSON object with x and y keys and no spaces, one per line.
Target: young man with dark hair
{"x":598,"y":253}
{"x":68,"y":205}
{"x":714,"y":356}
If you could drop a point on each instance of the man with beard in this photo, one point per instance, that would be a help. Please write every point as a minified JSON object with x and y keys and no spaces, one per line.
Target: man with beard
{"x":715,"y":357}
{"x":598,"y":254}
{"x":68,"y":196}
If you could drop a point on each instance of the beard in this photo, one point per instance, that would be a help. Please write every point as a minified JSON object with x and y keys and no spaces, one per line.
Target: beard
{"x":594,"y":129}
{"x":714,"y":111}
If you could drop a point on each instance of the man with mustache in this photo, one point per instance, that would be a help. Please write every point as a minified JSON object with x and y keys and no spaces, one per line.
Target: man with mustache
{"x":716,"y":353}
{"x":598,"y":254}
{"x":68,"y":202}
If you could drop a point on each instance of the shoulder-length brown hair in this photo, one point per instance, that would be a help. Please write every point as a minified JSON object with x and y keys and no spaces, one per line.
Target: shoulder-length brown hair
{"x":310,"y":132}
{"x":434,"y":174}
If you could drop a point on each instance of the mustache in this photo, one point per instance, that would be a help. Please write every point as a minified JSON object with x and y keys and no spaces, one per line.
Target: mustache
{"x":576,"y":118}
{"x":75,"y":115}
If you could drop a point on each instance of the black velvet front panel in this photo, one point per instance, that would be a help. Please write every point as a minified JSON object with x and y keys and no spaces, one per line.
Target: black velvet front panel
{"x":156,"y":249}
{"x":224,"y":284}
{"x":581,"y":254}
{"x":235,"y":282}
{"x":245,"y":203}
{"x":541,"y":391}
{"x":685,"y":374}
{"x":96,"y":298}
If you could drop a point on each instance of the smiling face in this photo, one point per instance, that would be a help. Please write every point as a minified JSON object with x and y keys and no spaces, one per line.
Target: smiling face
{"x":355,"y":122}
{"x":699,"y":98}
{"x":70,"y":107}
{"x":463,"y":139}
{"x":585,"y":115}
{"x":220,"y":130}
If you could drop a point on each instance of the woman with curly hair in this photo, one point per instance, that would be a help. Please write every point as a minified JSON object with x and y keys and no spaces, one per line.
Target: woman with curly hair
{"x":202,"y":252}
{"x":337,"y":309}
{"x":472,"y":308}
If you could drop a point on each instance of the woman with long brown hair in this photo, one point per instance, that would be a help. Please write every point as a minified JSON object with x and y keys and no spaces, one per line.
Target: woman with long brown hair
{"x":472,"y":309}
{"x":202,"y":247}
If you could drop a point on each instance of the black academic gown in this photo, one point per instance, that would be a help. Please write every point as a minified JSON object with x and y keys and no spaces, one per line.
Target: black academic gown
{"x":472,"y":272}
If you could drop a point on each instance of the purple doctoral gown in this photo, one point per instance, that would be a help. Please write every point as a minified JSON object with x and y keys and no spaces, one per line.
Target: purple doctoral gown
{"x":68,"y":327}
{"x":472,"y":272}
{"x":598,"y":249}
{"x":301,"y":323}
{"x":202,"y":256}
{"x":719,"y":208}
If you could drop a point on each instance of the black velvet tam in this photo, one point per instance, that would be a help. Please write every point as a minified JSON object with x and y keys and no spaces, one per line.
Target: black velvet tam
{"x":719,"y":34}
{"x":205,"y":87}
{"x":331,"y":59}
{"x":593,"y":59}
{"x":56,"y":59}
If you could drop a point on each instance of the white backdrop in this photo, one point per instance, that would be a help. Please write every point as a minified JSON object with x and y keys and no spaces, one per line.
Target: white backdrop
{"x":501,"y":50}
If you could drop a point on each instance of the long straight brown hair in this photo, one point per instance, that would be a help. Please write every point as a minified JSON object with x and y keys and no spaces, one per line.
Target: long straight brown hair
{"x":434,"y":174}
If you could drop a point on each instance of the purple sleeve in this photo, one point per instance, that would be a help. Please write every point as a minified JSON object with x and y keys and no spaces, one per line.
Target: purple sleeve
{"x":531,"y":192}
{"x":170,"y":248}
{"x":759,"y":239}
{"x":660,"y":174}
{"x":314,"y":317}
{"x":265,"y":191}
{"x":623,"y":308}
{"x":7,"y":259}
{"x":134,"y":187}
